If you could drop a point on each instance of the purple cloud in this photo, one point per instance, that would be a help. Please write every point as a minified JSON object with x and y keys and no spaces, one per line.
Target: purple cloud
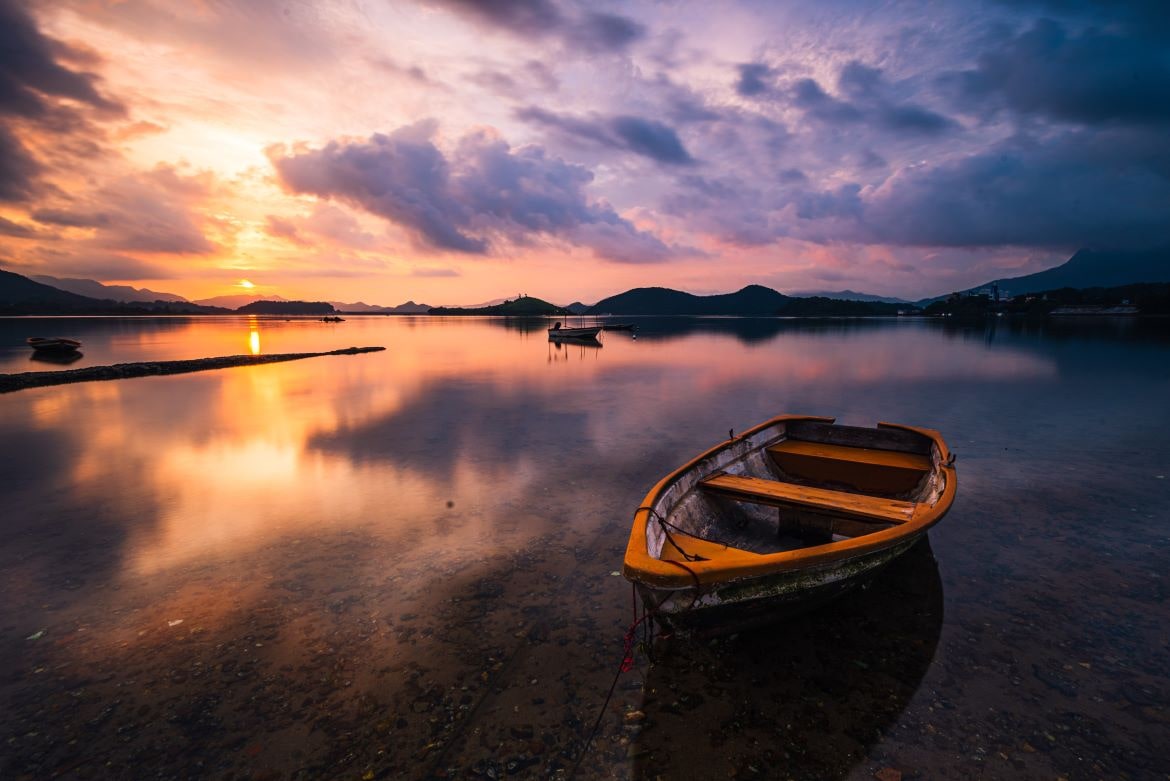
{"x":646,"y":137}
{"x":484,"y":193}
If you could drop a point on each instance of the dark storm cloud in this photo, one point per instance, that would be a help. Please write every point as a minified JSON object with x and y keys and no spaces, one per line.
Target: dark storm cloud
{"x":868,"y":98}
{"x":18,"y":168}
{"x":29,"y":70}
{"x":1091,"y":77}
{"x":807,"y":94}
{"x":645,"y":137}
{"x":1079,"y":189}
{"x":32,"y":82}
{"x":754,"y":79}
{"x":589,"y":32}
{"x":483,"y":192}
{"x":529,"y":17}
{"x":607,"y":32}
{"x":651,"y":139}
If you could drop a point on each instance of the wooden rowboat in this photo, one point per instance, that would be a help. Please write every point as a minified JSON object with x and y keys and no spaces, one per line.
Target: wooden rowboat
{"x":782,"y":518}
{"x":51,"y":344}
{"x":559,"y":332}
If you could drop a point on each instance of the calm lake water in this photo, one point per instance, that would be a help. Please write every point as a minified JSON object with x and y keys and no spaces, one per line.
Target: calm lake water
{"x":403,"y":564}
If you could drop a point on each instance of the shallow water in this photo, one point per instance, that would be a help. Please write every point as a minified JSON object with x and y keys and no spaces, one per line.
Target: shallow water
{"x":400,"y":565}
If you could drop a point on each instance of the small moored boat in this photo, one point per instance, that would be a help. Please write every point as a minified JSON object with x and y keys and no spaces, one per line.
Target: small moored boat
{"x":561,"y":332}
{"x":53,"y":344}
{"x":784,"y":517}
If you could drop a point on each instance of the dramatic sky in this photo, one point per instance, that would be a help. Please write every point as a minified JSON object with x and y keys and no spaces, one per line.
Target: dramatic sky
{"x":452,"y":151}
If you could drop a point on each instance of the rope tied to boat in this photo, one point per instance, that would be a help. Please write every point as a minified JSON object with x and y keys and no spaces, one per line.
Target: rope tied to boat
{"x":663,"y":523}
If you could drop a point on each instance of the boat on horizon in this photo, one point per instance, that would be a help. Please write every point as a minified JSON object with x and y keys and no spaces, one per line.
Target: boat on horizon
{"x":53,"y":344}
{"x":562,"y":332}
{"x":782,"y":518}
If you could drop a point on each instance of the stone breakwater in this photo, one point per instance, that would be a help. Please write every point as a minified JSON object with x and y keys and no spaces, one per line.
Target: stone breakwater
{"x":123,"y":371}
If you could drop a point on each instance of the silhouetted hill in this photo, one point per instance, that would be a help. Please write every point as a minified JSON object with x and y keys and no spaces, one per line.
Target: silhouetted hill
{"x":819,"y":306}
{"x":751,"y":300}
{"x":236,"y":301}
{"x":286,"y":308}
{"x":362,"y":308}
{"x":848,"y":295}
{"x":93,"y":289}
{"x":20,"y":295}
{"x":526,"y":306}
{"x":577,"y":308}
{"x":1152,"y":298}
{"x":1087,"y":269}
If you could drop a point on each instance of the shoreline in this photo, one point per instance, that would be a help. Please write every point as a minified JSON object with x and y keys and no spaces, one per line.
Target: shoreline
{"x":10,"y":383}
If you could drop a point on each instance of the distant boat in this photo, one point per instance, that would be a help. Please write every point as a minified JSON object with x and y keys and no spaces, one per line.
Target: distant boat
{"x":782,"y":518}
{"x":560,"y":332}
{"x":332,"y":319}
{"x":53,"y":344}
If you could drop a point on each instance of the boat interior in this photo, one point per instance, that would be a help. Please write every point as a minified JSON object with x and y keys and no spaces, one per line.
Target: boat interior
{"x":805,"y":483}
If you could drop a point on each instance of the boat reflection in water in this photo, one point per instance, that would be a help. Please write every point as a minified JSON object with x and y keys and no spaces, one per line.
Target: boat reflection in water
{"x":62,"y":358}
{"x":802,"y":699}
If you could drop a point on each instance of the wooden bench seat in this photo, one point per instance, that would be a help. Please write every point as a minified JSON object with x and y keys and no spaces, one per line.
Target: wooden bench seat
{"x":861,"y":468}
{"x":778,"y":494}
{"x":698,"y":547}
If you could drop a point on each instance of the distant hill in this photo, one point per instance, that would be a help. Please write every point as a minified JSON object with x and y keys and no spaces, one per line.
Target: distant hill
{"x":577,"y":308}
{"x":409,"y":308}
{"x":94,"y":289}
{"x":819,"y":306}
{"x":286,"y":308}
{"x":751,"y":300}
{"x":526,"y":306}
{"x":1146,"y":298}
{"x":1089,"y":269}
{"x":849,"y":295}
{"x":20,"y":295}
{"x":236,"y":301}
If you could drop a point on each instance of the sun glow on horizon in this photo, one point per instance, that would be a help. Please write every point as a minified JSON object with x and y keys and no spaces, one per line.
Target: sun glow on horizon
{"x":245,"y":284}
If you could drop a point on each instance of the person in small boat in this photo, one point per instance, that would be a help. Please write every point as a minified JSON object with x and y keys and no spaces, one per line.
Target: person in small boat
{"x":557,"y":325}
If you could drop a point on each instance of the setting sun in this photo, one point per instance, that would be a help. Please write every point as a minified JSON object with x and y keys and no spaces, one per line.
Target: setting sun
{"x":245,"y":284}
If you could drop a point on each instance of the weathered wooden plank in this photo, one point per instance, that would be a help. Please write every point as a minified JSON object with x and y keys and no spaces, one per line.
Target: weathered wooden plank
{"x":870,"y":471}
{"x":914,"y":462}
{"x":858,"y":436}
{"x":778,"y":494}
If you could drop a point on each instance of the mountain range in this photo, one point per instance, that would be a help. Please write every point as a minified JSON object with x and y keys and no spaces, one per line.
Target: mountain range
{"x":1087,"y":268}
{"x":1090,"y":268}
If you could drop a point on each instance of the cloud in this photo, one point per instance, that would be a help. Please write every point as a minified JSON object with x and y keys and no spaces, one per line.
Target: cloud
{"x":754,"y":79}
{"x":18,"y":168}
{"x":285,"y":229}
{"x":33,"y":86}
{"x":1096,"y":76}
{"x":485,"y":194}
{"x":154,"y":211}
{"x":646,"y":137}
{"x":589,"y":32}
{"x":1077,"y":189}
{"x":401,"y":176}
{"x":429,"y":272}
{"x":17,"y":230}
{"x":606,"y":32}
{"x":102,"y":266}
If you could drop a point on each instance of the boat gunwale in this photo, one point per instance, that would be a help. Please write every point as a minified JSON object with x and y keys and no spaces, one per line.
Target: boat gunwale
{"x":640,"y":567}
